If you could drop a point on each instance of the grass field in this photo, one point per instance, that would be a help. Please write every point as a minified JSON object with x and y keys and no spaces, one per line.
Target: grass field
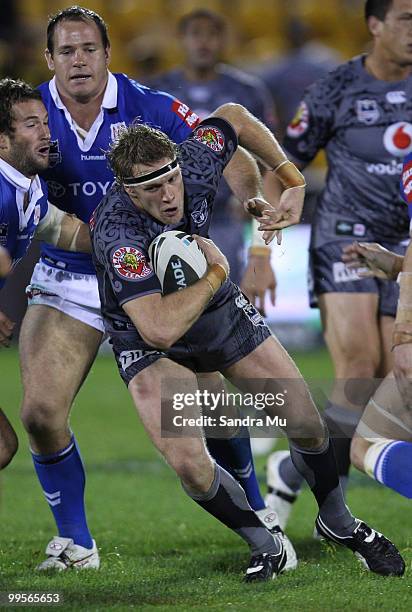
{"x":158,"y":548}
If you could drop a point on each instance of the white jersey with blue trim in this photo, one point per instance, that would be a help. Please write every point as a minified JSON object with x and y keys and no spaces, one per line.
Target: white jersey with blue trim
{"x":79,"y":175}
{"x":18,"y":223}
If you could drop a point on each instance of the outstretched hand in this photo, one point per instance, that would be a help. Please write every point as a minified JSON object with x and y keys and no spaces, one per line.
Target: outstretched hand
{"x":372,"y":259}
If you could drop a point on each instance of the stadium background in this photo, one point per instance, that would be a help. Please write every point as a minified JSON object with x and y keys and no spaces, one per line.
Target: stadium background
{"x":158,"y":548}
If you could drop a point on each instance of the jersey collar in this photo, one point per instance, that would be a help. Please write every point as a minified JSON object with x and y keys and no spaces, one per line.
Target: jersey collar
{"x":22,"y":184}
{"x":109,"y":98}
{"x":16,"y":178}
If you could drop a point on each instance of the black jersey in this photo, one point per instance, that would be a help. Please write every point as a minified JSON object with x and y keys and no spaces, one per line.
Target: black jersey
{"x":122,"y":233}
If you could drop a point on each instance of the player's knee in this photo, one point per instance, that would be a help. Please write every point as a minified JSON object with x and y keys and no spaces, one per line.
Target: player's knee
{"x":356,"y":363}
{"x":41,"y":416}
{"x":191,"y":467}
{"x":8,"y":447}
{"x":358,"y":449}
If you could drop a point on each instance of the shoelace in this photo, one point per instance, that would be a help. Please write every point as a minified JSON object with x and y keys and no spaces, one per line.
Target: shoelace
{"x":380,"y":544}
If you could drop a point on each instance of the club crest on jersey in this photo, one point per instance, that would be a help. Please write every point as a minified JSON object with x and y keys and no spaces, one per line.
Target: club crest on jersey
{"x":200,"y":215}
{"x":116,"y":129}
{"x":398,"y":139}
{"x":367,"y":111}
{"x":130,"y":263}
{"x":4,"y":230}
{"x":211,"y":137}
{"x":300,"y":122}
{"x":55,"y":156}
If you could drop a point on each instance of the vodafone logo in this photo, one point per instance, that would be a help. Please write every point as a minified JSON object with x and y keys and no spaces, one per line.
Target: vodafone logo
{"x":398,"y":139}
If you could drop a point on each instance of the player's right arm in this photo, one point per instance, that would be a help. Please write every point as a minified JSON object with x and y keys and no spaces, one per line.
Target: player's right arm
{"x":64,"y":231}
{"x":308,"y":132}
{"x":162,"y":320}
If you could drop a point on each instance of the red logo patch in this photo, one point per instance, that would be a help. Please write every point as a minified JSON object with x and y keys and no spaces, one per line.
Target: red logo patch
{"x":185,"y":113}
{"x":211,"y":137}
{"x":407,"y":181}
{"x":130,"y":263}
{"x":300,"y":122}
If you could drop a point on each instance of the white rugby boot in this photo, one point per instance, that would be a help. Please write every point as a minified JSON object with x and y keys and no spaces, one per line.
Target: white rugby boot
{"x":280,"y":497}
{"x":270,"y":520}
{"x":63,"y":554}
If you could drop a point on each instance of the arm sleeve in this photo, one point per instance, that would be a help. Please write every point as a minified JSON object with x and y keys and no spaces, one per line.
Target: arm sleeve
{"x":311,"y":127}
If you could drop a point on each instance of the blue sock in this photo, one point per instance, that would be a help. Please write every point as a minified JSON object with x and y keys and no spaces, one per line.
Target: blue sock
{"x":62,"y":479}
{"x":394,"y":467}
{"x":235,"y":456}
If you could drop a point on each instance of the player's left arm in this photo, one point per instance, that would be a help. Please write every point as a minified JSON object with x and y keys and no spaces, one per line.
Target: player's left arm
{"x":64,"y":231}
{"x":254,"y":136}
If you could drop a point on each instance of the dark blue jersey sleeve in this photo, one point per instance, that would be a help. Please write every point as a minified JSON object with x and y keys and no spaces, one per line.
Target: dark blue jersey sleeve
{"x":311,"y":127}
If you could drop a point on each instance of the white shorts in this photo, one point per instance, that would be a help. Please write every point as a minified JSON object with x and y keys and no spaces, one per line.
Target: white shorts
{"x":75,"y":294}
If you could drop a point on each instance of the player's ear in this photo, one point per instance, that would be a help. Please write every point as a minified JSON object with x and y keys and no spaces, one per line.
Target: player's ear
{"x":375,"y":26}
{"x":49,"y":59}
{"x":4,"y":142}
{"x":108,"y":54}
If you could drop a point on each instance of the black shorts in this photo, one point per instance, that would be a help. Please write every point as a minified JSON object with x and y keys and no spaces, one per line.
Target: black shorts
{"x":225,"y":333}
{"x":328,"y":274}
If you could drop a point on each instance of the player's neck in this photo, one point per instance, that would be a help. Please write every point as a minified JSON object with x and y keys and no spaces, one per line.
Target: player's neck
{"x":384,"y":68}
{"x":84,"y":112}
{"x":199,"y":74}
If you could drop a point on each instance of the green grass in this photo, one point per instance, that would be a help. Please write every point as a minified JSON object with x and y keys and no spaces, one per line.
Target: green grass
{"x":158,"y":549}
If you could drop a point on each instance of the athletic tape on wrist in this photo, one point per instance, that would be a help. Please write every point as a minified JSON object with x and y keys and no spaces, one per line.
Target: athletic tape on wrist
{"x":289,"y":175}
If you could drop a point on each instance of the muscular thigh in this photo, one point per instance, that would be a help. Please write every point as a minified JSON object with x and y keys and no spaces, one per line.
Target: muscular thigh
{"x":56,"y":352}
{"x":350,"y":323}
{"x":270,"y":371}
{"x":154,"y":392}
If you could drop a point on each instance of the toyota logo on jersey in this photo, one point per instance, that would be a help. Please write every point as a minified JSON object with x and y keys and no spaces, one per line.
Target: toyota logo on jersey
{"x":398,"y":139}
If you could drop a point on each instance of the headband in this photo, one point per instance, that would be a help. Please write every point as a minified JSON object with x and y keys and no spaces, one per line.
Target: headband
{"x":151,"y":176}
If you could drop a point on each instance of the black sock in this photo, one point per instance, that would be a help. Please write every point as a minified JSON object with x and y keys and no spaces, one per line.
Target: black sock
{"x":319,"y":470}
{"x":342,"y":423}
{"x":227,"y":502}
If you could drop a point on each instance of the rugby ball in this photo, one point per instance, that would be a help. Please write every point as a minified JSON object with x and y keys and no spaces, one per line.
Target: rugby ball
{"x":176,"y":260}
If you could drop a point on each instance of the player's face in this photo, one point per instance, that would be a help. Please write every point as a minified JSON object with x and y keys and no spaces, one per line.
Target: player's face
{"x":79,"y":60}
{"x":163,"y":199}
{"x":203,"y":43}
{"x":27,"y":148}
{"x":394,"y":34}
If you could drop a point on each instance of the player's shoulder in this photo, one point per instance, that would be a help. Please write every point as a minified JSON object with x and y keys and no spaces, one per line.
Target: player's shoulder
{"x":132,"y":88}
{"x":214,"y":134}
{"x":337,"y":81}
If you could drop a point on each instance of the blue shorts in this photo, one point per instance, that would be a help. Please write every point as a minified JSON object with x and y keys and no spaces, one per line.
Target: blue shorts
{"x":328,"y":274}
{"x":225,"y":333}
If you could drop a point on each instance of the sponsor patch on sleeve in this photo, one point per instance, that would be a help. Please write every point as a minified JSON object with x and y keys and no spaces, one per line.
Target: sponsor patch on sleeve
{"x":300,"y":121}
{"x":185,"y":113}
{"x":211,"y":137}
{"x":407,"y":181}
{"x":130,"y":263}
